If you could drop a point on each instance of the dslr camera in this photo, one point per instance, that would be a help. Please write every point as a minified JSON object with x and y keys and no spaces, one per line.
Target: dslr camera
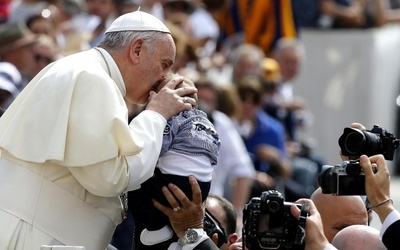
{"x":348,"y":177}
{"x":269,"y":224}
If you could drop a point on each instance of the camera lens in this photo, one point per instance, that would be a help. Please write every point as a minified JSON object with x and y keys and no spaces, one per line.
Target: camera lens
{"x":324,"y":179}
{"x":273,"y":206}
{"x":354,"y":142}
{"x":353,"y":168}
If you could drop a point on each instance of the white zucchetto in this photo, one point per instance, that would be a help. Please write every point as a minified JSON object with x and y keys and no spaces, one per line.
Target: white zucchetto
{"x":137,"y":21}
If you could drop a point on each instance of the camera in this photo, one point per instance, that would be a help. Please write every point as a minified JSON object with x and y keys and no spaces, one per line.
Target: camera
{"x":355,"y":142}
{"x":348,"y":178}
{"x":212,"y":226}
{"x":344,"y":179}
{"x":269,"y":224}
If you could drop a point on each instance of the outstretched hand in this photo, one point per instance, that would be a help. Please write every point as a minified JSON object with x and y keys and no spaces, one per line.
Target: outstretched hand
{"x":185,"y":213}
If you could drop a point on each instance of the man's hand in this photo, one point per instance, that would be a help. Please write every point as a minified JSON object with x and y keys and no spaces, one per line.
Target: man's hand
{"x":314,"y":234}
{"x":377,"y":185}
{"x":185,"y":213}
{"x":170,"y":101}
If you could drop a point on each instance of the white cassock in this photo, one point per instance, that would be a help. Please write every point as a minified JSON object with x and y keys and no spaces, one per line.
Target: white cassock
{"x":68,"y":152}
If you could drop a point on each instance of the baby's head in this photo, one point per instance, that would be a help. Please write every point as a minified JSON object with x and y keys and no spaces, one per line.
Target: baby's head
{"x":186,"y":83}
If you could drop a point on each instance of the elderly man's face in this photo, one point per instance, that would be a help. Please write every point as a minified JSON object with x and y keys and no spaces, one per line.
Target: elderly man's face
{"x":154,"y":65}
{"x":338,"y":212}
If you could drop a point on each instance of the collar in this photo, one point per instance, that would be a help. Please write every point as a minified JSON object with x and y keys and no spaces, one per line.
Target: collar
{"x":114,"y":72}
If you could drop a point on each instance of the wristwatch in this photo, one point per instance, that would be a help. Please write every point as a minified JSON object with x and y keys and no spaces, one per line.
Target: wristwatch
{"x":191,"y":235}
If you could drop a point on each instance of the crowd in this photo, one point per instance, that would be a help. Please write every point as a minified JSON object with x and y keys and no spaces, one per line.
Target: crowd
{"x":89,"y":103}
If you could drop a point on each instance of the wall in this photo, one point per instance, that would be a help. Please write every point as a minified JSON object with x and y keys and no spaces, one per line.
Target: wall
{"x":349,"y":76}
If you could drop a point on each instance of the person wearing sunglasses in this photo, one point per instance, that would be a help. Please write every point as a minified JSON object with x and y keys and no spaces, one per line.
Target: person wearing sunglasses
{"x":220,"y":221}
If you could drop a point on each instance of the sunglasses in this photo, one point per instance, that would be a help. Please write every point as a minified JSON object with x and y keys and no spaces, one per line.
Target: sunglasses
{"x":42,"y":58}
{"x":212,"y":225}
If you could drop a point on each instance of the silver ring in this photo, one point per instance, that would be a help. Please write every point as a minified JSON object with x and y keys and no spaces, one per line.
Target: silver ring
{"x":185,"y":99}
{"x":176,"y":209}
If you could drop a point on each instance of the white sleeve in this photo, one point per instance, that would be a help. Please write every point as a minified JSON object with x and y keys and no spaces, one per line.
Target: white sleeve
{"x":148,"y":126}
{"x":330,"y":247}
{"x":389,"y":220}
{"x":111,"y":178}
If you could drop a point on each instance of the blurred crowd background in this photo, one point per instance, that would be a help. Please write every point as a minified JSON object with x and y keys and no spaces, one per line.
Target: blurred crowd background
{"x":279,"y":79}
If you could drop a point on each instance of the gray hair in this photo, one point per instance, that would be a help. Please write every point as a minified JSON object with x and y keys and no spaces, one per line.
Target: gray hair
{"x":290,"y":43}
{"x":115,"y":41}
{"x":246,"y":49}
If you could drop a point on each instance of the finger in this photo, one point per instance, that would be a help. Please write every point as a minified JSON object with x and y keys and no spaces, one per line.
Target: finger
{"x":365,"y":164}
{"x":166,"y":210}
{"x":357,"y":126}
{"x":152,"y":93}
{"x":196,"y":191}
{"x":185,"y":91}
{"x":174,"y":82}
{"x":182,"y":199}
{"x":170,"y":197}
{"x":312,"y":209}
{"x":190,"y":101}
{"x":295,"y":211}
{"x":160,"y":206}
{"x":379,"y":162}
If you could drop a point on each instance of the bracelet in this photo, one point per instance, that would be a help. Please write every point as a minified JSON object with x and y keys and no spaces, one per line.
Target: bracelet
{"x":381,"y":203}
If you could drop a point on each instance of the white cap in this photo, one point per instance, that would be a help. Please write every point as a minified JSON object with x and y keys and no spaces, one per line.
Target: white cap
{"x":8,"y":86}
{"x":137,"y":21}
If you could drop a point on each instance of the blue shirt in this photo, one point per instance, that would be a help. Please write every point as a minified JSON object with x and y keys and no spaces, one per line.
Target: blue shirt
{"x":267,"y":131}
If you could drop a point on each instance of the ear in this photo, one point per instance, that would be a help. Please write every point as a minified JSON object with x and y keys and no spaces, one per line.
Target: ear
{"x":232,"y":238}
{"x":135,"y":49}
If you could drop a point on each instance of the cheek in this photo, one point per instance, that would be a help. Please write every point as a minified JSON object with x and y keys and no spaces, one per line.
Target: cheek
{"x":330,"y":234}
{"x":137,"y":91}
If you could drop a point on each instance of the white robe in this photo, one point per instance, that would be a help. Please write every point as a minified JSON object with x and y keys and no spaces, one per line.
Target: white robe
{"x":68,"y":153}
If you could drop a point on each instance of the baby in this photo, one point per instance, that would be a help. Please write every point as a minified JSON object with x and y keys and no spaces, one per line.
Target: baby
{"x":190,"y":147}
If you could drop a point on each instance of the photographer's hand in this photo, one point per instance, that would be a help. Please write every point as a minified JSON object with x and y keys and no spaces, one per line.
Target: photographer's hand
{"x":377,"y":185}
{"x":314,"y":235}
{"x":357,"y":126}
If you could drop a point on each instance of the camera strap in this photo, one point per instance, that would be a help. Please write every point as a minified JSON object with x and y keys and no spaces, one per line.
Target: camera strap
{"x":300,"y":234}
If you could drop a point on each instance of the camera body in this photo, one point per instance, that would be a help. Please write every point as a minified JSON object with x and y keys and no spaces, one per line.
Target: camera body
{"x":348,"y":178}
{"x":344,"y":179}
{"x":355,"y":142}
{"x":269,"y":224}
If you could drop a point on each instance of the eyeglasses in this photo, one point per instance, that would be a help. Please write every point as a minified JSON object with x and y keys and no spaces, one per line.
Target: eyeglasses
{"x":42,"y":58}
